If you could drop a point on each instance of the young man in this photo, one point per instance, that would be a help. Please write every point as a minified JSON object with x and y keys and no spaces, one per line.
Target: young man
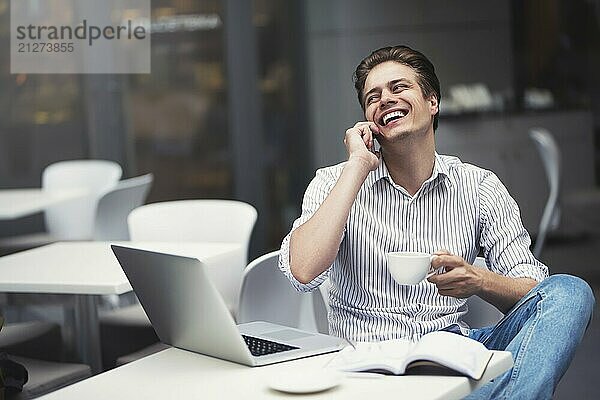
{"x":409,"y":198}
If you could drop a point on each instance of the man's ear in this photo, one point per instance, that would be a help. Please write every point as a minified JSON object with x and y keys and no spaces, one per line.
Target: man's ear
{"x":433,"y":104}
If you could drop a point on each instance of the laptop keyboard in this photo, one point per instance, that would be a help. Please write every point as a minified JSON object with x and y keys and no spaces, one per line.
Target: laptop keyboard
{"x":262,"y":347}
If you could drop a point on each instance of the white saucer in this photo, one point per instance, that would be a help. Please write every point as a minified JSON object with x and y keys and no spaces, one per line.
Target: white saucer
{"x":303,"y":381}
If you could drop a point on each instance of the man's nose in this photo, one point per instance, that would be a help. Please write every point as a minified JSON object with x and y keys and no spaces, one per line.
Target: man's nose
{"x":386,"y":99}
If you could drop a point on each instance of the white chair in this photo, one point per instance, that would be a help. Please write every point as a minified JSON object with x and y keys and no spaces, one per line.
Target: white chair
{"x":74,"y":219}
{"x":38,"y":347}
{"x":267,"y":295}
{"x":114,"y":207}
{"x":111,"y":217}
{"x":321,"y":306}
{"x":177,"y":221}
{"x":194,"y":221}
{"x":32,"y":339}
{"x":550,"y":155}
{"x":481,"y":313}
{"x":71,"y":219}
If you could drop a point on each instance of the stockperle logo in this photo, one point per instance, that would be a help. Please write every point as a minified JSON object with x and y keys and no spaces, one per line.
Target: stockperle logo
{"x":80,"y":36}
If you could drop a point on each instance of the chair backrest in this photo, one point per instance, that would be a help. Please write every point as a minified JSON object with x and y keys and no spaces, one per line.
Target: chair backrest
{"x":194,"y":221}
{"x":115,"y":206}
{"x":321,"y":306}
{"x":550,"y":155}
{"x":267,"y":295}
{"x":481,"y":313}
{"x":74,"y":219}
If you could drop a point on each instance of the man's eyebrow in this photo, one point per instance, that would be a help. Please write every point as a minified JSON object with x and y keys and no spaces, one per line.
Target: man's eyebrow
{"x":389,"y":84}
{"x":403,"y":81}
{"x":375,"y":89}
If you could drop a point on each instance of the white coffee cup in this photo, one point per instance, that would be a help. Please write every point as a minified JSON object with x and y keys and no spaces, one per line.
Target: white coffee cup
{"x":409,"y":268}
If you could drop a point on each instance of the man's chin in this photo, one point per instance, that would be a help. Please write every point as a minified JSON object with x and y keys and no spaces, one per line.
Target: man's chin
{"x":396,"y":135}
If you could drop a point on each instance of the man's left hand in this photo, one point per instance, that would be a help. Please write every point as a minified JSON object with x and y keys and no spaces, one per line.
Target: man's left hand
{"x":461,"y":279}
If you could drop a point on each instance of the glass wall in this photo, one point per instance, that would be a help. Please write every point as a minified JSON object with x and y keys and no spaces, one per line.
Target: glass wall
{"x":282,"y":84}
{"x":180,"y":116}
{"x":557,"y":58}
{"x":179,"y":111}
{"x":41,"y":118}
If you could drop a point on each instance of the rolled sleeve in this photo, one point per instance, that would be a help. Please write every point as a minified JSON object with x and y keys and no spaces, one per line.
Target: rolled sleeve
{"x":315,"y":194}
{"x":535,"y":272}
{"x":504,"y":239}
{"x":284,"y":266}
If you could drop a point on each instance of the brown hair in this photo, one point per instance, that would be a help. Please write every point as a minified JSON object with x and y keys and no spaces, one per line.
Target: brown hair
{"x":424,"y":70}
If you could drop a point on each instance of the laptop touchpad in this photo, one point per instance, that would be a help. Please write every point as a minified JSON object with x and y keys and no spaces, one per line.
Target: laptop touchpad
{"x":287,"y":334}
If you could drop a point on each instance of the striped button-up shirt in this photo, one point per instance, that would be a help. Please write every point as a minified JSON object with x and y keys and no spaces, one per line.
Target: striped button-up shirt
{"x":461,"y":208}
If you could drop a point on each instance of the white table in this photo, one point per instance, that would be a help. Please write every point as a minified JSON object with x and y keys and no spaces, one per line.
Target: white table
{"x":17,"y":203}
{"x":179,"y":374}
{"x":89,"y":269}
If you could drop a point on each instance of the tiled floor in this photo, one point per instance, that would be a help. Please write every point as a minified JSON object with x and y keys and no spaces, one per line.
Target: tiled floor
{"x":580,"y":257}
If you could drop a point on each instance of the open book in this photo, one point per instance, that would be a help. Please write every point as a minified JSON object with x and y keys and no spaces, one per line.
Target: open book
{"x":437,"y":353}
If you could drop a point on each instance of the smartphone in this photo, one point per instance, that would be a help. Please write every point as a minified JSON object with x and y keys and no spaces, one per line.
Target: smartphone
{"x":375,"y":148}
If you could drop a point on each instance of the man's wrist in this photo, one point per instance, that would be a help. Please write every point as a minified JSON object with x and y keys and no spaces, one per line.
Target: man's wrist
{"x":487,"y":280}
{"x":358,"y":165}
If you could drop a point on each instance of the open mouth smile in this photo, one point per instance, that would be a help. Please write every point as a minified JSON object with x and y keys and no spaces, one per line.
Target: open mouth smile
{"x":392,"y":116}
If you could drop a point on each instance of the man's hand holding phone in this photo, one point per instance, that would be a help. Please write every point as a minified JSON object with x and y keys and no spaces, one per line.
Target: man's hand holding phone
{"x":360,"y":144}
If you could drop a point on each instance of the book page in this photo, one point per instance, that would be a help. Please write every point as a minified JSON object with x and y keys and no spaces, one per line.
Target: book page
{"x":449,"y":350}
{"x":454,"y":351}
{"x":386,"y":356}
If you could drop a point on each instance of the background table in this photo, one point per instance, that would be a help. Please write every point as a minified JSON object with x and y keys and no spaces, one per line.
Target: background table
{"x":90,"y":269}
{"x":179,"y":374}
{"x":17,"y":203}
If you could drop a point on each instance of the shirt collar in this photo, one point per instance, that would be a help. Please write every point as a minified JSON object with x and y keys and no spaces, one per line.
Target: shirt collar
{"x":378,"y":174}
{"x":440,"y":169}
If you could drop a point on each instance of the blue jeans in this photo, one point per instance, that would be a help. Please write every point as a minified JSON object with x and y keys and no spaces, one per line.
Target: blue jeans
{"x":541,"y":331}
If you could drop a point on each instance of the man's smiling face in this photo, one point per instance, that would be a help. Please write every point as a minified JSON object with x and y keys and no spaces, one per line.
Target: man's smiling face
{"x":394,"y":101}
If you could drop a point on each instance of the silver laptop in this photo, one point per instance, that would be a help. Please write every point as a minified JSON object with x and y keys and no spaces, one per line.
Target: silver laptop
{"x":187,"y":312}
